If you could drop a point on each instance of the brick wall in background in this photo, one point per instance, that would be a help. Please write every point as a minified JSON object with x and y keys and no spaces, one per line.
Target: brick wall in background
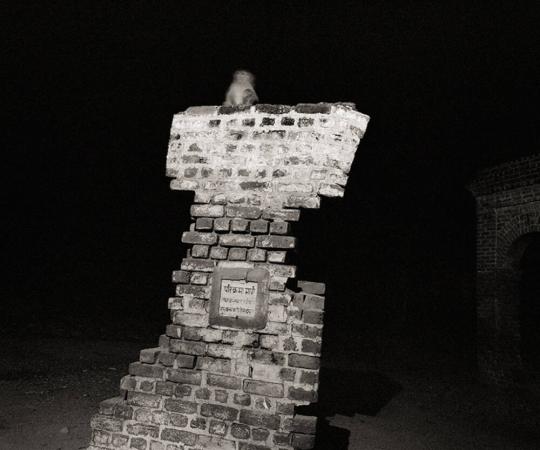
{"x":508,"y":210}
{"x":216,"y":380}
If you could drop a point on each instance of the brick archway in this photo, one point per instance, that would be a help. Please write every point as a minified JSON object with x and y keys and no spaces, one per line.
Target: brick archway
{"x":508,"y":208}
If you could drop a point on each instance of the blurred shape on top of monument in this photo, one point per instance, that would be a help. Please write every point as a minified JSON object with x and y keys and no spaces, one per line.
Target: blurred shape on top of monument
{"x":242,"y":90}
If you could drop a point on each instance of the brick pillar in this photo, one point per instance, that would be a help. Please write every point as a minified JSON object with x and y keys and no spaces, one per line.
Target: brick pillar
{"x":243,"y":348}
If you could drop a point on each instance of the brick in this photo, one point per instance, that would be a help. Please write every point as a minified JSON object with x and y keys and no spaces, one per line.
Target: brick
{"x":313,"y":317}
{"x":222,"y":224}
{"x":141,"y":429}
{"x":178,"y":420}
{"x":106,"y":423}
{"x":239,"y":225}
{"x":303,"y":441}
{"x":198,"y":237}
{"x":258,"y":226}
{"x":219,"y":252}
{"x":219,"y":411}
{"x":256,"y":254}
{"x":281,"y":438}
{"x":304,"y":361}
{"x":240,"y":431}
{"x":309,"y":377}
{"x":259,"y":419}
{"x":279,"y":227}
{"x":291,"y":215}
{"x":180,"y":406}
{"x":301,"y":394}
{"x":190,"y":320}
{"x":198,"y":423}
{"x":207,"y":210}
{"x":308,"y":331}
{"x":203,"y":393}
{"x":204,"y":224}
{"x":214,"y":365}
{"x":310,"y":346}
{"x":145,"y":370}
{"x":184,"y":437}
{"x":237,"y":254}
{"x":224,"y":381}
{"x":221,"y":396}
{"x":244,"y":212}
{"x":182,"y":390}
{"x":149,"y":355}
{"x":184,"y":376}
{"x":143,"y":399}
{"x":220,"y":350}
{"x":187,"y":347}
{"x":249,"y":446}
{"x":197,"y":265}
{"x":259,"y":434}
{"x":236,"y":240}
{"x":138,"y":443}
{"x":304,"y":424}
{"x":199,"y":251}
{"x":180,"y":276}
{"x":165,"y":388}
{"x":242,"y":399}
{"x":287,"y":242}
{"x":277,"y":256}
{"x":174,"y":331}
{"x":313,"y":302}
{"x":218,"y":427}
{"x":263,"y":388}
{"x":189,"y":289}
{"x":311,"y":287}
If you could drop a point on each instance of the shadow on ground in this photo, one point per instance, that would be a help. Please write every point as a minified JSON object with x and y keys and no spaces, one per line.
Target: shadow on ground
{"x":347,"y":392}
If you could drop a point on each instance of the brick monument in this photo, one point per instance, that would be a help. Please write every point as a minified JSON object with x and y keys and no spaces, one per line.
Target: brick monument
{"x":508,"y":213}
{"x":243,"y":348}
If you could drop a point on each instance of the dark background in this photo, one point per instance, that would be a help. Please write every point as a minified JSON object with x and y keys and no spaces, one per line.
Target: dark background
{"x":93,"y":231}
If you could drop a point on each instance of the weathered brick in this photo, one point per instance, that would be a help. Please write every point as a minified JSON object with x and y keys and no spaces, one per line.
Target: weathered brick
{"x":199,"y":251}
{"x":221,"y":396}
{"x":190,"y":320}
{"x":305,"y":395}
{"x":222,"y":224}
{"x":244,"y":212}
{"x":165,"y":388}
{"x":141,"y":429}
{"x":259,"y":434}
{"x":197,"y":265}
{"x":304,"y":361}
{"x":219,"y":252}
{"x":106,"y":423}
{"x":218,"y":365}
{"x":303,"y":441}
{"x":184,"y":376}
{"x":242,"y":399}
{"x":279,"y":227}
{"x":256,"y":254}
{"x":183,"y":390}
{"x":180,"y":276}
{"x":198,"y":237}
{"x":187,"y":347}
{"x":308,"y":331}
{"x":204,"y":224}
{"x":304,"y":424}
{"x":309,"y":377}
{"x":239,"y":225}
{"x":258,"y":226}
{"x":149,"y":355}
{"x":198,"y":423}
{"x":291,"y":215}
{"x":313,"y":302}
{"x":138,"y":443}
{"x":259,"y":419}
{"x":311,"y":287}
{"x":276,"y":241}
{"x":237,"y":254}
{"x":277,"y":256}
{"x":236,"y":240}
{"x":178,"y":420}
{"x":184,"y":437}
{"x":263,"y":388}
{"x":219,"y":411}
{"x":310,"y":346}
{"x":143,"y":399}
{"x":145,"y":370}
{"x":218,"y":427}
{"x":180,"y":406}
{"x":174,"y":331}
{"x":207,"y":210}
{"x":189,"y":289}
{"x":250,"y":446}
{"x":224,"y":381}
{"x":203,"y":393}
{"x":240,"y":431}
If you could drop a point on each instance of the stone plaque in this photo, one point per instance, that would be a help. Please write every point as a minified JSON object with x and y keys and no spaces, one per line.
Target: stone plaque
{"x":239,"y":298}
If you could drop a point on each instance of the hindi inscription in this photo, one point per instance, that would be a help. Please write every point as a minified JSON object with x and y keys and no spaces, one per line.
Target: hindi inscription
{"x":238,"y":298}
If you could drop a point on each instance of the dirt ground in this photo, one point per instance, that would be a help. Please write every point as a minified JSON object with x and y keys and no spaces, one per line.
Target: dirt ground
{"x":49,"y":389}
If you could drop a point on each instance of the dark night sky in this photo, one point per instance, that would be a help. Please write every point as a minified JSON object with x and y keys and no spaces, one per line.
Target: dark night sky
{"x":93,"y":229}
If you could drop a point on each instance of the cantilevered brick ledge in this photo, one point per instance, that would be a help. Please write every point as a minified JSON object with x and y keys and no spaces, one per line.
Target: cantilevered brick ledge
{"x":243,"y":346}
